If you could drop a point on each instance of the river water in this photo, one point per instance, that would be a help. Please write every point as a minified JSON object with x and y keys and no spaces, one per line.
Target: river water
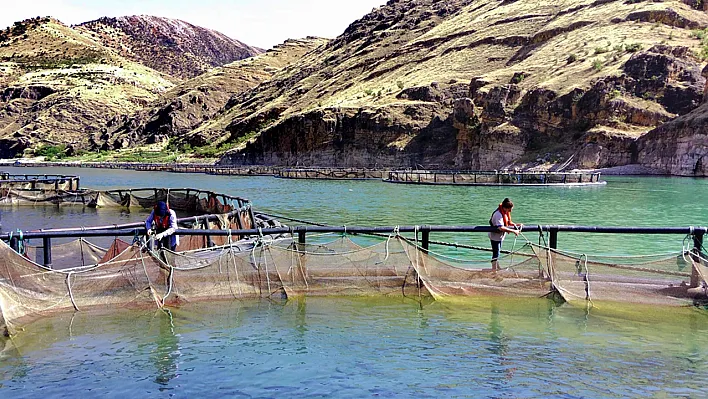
{"x":389,"y":347}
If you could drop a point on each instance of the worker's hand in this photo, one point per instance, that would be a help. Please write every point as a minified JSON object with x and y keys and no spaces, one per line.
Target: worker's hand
{"x":516,"y":232}
{"x":150,"y":232}
{"x":159,"y":237}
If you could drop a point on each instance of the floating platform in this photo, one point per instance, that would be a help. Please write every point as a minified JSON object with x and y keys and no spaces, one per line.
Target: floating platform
{"x":495,"y":178}
{"x":332,"y":173}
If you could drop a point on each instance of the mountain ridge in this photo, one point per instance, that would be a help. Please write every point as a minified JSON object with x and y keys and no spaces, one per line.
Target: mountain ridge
{"x":172,"y":46}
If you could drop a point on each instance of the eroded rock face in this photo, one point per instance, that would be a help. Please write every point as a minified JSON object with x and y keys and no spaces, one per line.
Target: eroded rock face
{"x":12,"y":148}
{"x":679,"y":147}
{"x":360,"y":138}
{"x":668,"y":75}
{"x":33,"y":92}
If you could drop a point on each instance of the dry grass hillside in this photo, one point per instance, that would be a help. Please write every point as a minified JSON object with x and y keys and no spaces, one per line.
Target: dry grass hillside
{"x":172,"y":46}
{"x":60,"y":88}
{"x":479,"y":84}
{"x":197,"y":100}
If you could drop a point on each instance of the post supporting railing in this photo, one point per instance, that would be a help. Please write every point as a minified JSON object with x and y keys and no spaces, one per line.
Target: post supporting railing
{"x":47,"y":251}
{"x":425,"y":241}
{"x":697,"y":255}
{"x":553,"y":240}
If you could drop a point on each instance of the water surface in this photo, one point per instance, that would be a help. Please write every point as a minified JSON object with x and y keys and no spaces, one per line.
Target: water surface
{"x":379,"y":347}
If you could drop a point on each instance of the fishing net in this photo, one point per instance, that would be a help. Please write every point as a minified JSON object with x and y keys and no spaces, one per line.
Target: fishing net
{"x":39,"y":182}
{"x":72,"y":254}
{"x":129,"y":275}
{"x":17,"y":196}
{"x":662,"y":279}
{"x":29,"y":290}
{"x":486,"y":178}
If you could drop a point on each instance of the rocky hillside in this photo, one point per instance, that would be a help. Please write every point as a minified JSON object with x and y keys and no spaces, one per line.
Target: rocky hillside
{"x":60,"y":88}
{"x":486,"y":84}
{"x":188,"y":105}
{"x":70,"y":89}
{"x":174,"y":47}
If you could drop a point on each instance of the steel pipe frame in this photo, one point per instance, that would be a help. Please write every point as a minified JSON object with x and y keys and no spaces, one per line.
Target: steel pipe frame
{"x":696,"y":231}
{"x":301,"y":231}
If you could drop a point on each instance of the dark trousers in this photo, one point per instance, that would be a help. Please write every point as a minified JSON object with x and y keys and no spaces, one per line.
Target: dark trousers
{"x":496,"y":249}
{"x":165,"y":243}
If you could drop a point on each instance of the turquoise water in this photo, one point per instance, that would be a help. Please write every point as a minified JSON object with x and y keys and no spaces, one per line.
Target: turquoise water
{"x":354,"y":347}
{"x":624,"y":201}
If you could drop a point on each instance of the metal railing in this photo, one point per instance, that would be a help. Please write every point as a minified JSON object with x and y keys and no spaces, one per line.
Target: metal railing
{"x":8,"y":180}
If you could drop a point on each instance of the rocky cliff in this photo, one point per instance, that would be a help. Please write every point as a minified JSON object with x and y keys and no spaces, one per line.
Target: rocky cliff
{"x":485,"y":85}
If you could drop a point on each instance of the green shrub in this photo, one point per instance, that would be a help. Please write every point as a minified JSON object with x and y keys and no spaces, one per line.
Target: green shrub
{"x":597,"y":65}
{"x":633,"y":48}
{"x":50,"y":152}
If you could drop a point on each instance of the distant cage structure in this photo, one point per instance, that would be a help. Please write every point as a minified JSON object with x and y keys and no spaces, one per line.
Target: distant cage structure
{"x":331,"y":173}
{"x":494,"y":178}
{"x":39,"y":182}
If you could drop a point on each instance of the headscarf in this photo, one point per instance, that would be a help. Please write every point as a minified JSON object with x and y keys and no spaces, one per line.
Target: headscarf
{"x":161,"y":209}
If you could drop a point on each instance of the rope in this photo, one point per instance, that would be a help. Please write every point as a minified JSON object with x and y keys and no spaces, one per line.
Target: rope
{"x":233,"y":260}
{"x":260,"y":243}
{"x":71,"y":294}
{"x":292,"y":219}
{"x":586,"y":277}
{"x":394,"y":233}
{"x":513,"y":246}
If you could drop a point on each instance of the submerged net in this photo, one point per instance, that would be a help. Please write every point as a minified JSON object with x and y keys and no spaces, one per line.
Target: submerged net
{"x":17,"y":196}
{"x":129,"y":275}
{"x":663,"y":279}
{"x":29,"y":290}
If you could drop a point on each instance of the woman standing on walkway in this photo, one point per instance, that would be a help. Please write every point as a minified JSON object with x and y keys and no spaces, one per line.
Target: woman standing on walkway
{"x":501,"y":219}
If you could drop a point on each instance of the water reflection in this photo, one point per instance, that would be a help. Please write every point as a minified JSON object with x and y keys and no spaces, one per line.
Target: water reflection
{"x":499,"y":344}
{"x":167,"y":351}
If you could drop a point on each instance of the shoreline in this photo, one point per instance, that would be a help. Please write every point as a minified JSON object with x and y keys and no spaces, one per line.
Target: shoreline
{"x":624,"y":170}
